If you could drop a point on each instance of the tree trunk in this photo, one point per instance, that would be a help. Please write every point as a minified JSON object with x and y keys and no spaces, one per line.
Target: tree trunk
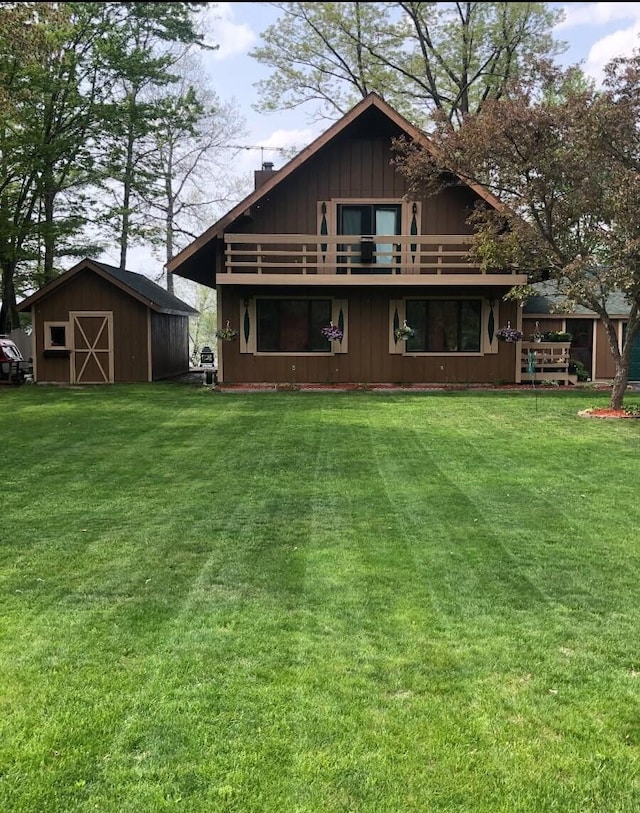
{"x":169,"y":224}
{"x":169,"y":239}
{"x":622,"y":359}
{"x":124,"y":230}
{"x":619,"y":385}
{"x":128,"y":184}
{"x":48,"y":235}
{"x":9,"y":316}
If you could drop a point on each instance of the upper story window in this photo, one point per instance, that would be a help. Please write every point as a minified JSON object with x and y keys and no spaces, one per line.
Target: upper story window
{"x":444,"y":325}
{"x":369,"y":219}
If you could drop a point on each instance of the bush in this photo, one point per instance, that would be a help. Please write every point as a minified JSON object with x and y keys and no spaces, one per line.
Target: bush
{"x":579,"y":369}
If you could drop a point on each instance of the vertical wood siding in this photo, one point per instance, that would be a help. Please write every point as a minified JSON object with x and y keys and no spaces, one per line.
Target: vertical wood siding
{"x":529,"y":325}
{"x":351,"y":168}
{"x":169,"y":345}
{"x":368,"y":358}
{"x":357,"y":164}
{"x":87,"y":291}
{"x":605,"y":367}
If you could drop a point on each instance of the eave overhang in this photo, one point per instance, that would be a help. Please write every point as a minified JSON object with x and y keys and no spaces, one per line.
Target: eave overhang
{"x":372,"y":280}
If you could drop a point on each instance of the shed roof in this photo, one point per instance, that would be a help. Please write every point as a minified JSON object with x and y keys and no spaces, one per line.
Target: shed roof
{"x":137,"y":285}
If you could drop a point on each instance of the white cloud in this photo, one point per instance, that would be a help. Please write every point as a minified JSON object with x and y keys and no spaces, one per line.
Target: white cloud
{"x":233,"y":38}
{"x":602,"y":31}
{"x":620,"y":43}
{"x":278,"y":147}
{"x":289,"y":139}
{"x":598,"y":13}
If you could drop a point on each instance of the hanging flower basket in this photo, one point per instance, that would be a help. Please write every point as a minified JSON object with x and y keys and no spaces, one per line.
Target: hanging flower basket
{"x":509,"y":334}
{"x":226,"y":333}
{"x":331,"y":332}
{"x":404,"y":332}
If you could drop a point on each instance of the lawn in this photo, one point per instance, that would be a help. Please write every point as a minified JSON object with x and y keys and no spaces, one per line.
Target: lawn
{"x":304,"y":602}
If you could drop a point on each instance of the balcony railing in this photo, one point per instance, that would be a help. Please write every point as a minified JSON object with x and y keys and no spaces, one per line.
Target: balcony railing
{"x":350,"y":254}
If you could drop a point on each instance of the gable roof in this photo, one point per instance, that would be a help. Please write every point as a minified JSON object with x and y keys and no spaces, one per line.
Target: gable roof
{"x":545,"y":302}
{"x":136,"y":285}
{"x":368,"y":102}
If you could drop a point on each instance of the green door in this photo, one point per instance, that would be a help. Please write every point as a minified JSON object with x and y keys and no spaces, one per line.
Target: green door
{"x":634,"y":368}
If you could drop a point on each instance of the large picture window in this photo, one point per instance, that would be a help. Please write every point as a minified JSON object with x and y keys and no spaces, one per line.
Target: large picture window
{"x":292,"y":325}
{"x":444,"y":325}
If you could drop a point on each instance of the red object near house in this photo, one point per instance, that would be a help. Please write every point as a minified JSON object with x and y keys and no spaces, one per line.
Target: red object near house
{"x":14,"y":369}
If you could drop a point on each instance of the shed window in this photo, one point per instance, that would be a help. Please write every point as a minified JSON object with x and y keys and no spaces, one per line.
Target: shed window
{"x":56,"y":335}
{"x":444,"y":325}
{"x":292,"y":325}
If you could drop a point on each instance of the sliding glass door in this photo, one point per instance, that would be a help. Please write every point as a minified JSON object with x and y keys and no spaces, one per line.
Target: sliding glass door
{"x":369,"y":220}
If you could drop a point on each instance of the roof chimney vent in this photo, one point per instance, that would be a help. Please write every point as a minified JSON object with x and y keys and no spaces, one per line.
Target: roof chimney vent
{"x":262,"y":175}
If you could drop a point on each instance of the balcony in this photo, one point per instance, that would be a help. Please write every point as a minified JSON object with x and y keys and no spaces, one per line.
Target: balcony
{"x":361,"y":259}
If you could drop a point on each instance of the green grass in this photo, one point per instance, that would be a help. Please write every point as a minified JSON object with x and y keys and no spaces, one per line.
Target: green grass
{"x":307,"y":603}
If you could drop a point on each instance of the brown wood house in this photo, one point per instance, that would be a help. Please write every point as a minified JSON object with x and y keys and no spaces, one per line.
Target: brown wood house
{"x":336,"y":237}
{"x":589,"y":344}
{"x":96,"y":324}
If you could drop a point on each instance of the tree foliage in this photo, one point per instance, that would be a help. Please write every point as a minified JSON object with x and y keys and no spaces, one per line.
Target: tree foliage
{"x":563,"y":159}
{"x":187,"y":161}
{"x":141,"y":53}
{"x":40,"y":117}
{"x":421,"y":57}
{"x":79,"y":102}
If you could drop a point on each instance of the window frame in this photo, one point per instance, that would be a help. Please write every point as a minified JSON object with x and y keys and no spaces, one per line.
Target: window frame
{"x":369,"y":213}
{"x":249,"y":326}
{"x":457,"y":353}
{"x":48,"y":343}
{"x":328,"y":223}
{"x":305,"y":299}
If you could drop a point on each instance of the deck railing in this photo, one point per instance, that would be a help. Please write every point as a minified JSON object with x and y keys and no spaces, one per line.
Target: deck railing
{"x":349,"y":254}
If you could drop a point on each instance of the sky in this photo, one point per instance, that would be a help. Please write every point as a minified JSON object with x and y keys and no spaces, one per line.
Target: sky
{"x":594,"y":33}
